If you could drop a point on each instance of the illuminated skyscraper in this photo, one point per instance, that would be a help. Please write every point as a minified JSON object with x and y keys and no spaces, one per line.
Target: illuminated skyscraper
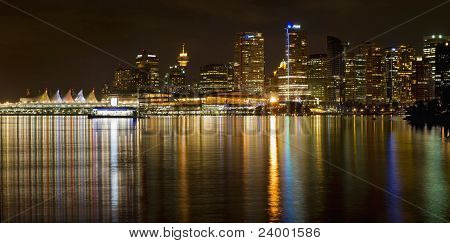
{"x":398,"y":74}
{"x":443,"y":68}
{"x":317,"y":75}
{"x":249,"y":62}
{"x":336,"y":68}
{"x":125,"y":82}
{"x":148,"y":65}
{"x":391,"y":74}
{"x":175,"y":79}
{"x":350,"y":77}
{"x":429,"y":51}
{"x":124,"y":78}
{"x":422,"y":83}
{"x":215,"y":78}
{"x":403,"y":87}
{"x":374,"y":73}
{"x":183,"y":58}
{"x":295,"y":87}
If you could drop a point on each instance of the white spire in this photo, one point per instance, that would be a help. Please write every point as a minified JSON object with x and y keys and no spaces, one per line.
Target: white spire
{"x":80,"y":98}
{"x":56,"y":98}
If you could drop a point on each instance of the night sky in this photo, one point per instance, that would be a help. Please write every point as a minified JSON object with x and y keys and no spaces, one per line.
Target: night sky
{"x":35,"y":56}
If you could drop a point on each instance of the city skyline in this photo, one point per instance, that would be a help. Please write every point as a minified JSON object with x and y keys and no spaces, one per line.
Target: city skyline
{"x":60,"y":62}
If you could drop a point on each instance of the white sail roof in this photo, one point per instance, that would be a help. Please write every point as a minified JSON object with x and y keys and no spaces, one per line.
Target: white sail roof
{"x":80,"y":98}
{"x":91,"y":97}
{"x":68,"y":97}
{"x":56,"y":98}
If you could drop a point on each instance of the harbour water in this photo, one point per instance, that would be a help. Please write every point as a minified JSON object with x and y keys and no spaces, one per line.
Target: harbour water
{"x":222,"y":169}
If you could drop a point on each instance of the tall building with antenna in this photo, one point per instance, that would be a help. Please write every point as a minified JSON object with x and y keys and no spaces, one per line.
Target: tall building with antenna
{"x":183,"y":58}
{"x":295,"y":87}
{"x":176,"y":79}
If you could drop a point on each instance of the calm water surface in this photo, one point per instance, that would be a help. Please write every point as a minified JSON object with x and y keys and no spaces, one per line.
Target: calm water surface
{"x":222,"y":169}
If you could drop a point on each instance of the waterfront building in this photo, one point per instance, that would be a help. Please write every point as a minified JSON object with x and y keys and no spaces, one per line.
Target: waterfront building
{"x":422,"y":82}
{"x":318,"y":76}
{"x":336,"y":50}
{"x":429,"y":54}
{"x":215,"y":78}
{"x":56,"y":99}
{"x":295,"y":87}
{"x":249,"y":62}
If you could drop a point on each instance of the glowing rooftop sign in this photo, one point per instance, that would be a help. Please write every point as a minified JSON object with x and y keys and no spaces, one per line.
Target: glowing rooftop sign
{"x":293,"y":26}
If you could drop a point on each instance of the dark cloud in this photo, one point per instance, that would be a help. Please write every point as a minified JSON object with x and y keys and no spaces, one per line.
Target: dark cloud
{"x":33,"y":55}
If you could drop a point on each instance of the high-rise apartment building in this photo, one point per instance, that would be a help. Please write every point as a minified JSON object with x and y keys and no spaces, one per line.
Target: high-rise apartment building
{"x":391,"y":74}
{"x":249,"y":62}
{"x":403,"y":86}
{"x":429,"y":54}
{"x":398,"y":74}
{"x":374,"y":73}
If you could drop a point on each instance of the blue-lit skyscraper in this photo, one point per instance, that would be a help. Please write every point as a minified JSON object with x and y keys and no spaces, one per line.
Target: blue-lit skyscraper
{"x":295,"y":87}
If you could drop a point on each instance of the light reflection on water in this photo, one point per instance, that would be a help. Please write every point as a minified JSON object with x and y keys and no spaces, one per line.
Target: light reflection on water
{"x":221,"y":169}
